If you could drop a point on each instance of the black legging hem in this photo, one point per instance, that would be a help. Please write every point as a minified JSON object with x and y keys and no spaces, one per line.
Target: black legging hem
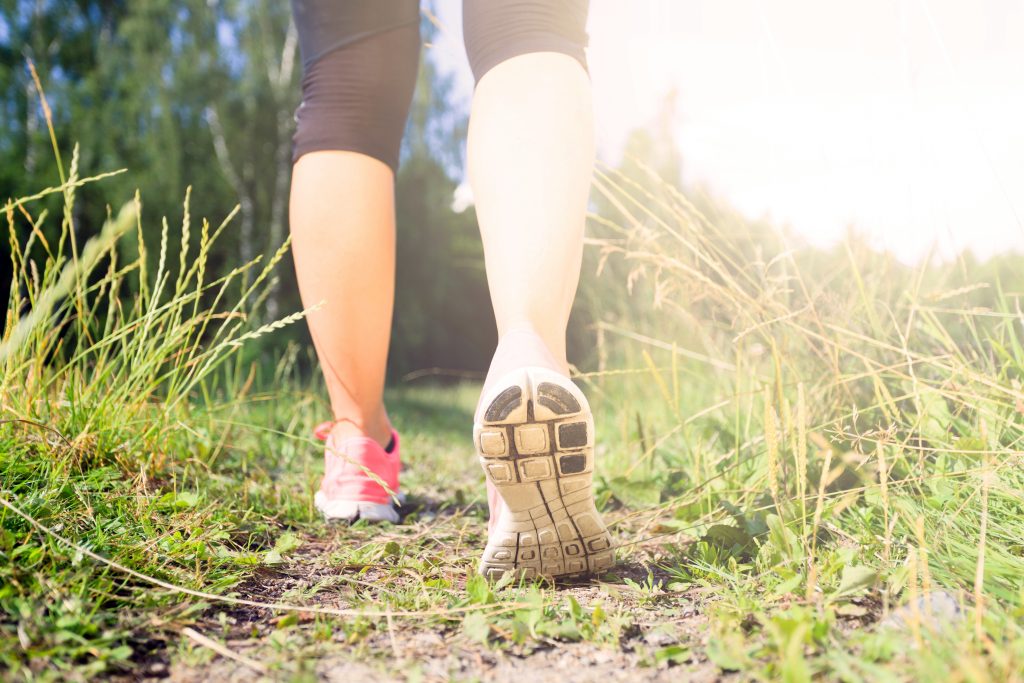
{"x":526,"y":45}
{"x":360,"y":60}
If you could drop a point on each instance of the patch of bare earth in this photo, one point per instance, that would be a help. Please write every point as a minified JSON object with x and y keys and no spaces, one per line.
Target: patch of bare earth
{"x":435,"y":649}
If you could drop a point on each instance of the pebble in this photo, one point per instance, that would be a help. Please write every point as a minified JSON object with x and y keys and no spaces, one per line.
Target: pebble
{"x":937,"y":610}
{"x":659,"y":638}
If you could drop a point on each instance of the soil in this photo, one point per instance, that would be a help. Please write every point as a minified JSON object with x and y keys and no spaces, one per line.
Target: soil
{"x":412,"y":652}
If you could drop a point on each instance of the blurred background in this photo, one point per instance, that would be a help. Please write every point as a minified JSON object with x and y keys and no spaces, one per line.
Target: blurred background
{"x":897,"y":122}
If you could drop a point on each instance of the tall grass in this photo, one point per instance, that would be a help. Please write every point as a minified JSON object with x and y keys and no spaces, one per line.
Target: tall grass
{"x":842,"y":417}
{"x":106,"y":366}
{"x":807,"y":443}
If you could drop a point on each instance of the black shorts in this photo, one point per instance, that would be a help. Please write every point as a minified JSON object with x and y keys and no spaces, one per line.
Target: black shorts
{"x":360,"y":59}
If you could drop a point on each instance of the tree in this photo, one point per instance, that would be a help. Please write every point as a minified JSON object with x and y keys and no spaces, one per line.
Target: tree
{"x":179,"y":92}
{"x":443,"y":315}
{"x":202,"y":93}
{"x":254,"y":150}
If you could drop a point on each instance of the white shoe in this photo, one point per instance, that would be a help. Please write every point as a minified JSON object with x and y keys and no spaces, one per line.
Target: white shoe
{"x":351,"y":510}
{"x":535,"y":440}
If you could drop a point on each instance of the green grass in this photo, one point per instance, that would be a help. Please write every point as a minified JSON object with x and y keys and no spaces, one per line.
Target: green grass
{"x":793,"y":446}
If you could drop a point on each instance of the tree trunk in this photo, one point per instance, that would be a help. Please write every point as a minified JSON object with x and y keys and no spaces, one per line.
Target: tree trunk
{"x":246,"y":249}
{"x":279,"y":200}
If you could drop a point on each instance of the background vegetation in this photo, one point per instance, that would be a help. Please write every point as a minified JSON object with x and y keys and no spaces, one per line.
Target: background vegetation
{"x":189,"y":93}
{"x":811,"y":460}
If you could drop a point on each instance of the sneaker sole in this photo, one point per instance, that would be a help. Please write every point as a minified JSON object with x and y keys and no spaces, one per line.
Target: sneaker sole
{"x":351,"y":510}
{"x":536,"y":445}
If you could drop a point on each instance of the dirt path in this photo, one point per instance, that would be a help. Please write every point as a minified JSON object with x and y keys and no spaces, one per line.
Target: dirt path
{"x":264,"y":645}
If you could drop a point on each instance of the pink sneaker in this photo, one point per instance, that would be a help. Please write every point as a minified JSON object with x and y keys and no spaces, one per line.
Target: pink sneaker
{"x":348,"y":491}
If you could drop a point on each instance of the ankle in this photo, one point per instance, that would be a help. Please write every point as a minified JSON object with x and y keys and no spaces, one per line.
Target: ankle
{"x":379,"y":429}
{"x":523,"y":331}
{"x":525,"y":345}
{"x":521,"y":347}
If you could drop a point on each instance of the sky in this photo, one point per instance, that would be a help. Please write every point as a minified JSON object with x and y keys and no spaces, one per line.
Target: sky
{"x":902,"y":118}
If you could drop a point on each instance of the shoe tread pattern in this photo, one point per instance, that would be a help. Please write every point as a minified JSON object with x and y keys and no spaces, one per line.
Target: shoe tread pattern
{"x":536,"y":445}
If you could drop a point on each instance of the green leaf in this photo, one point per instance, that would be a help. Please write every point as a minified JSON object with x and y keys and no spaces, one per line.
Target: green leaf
{"x":732,"y":540}
{"x":287,"y":542}
{"x":725,"y":655}
{"x":287,"y":620}
{"x":476,"y":628}
{"x":855,"y":579}
{"x":505,"y":581}
{"x":186,"y":499}
{"x":784,"y":540}
{"x":789,"y":585}
{"x":562,"y":630}
{"x":673,"y":654}
{"x":121,"y":652}
{"x":180,"y":500}
{"x":477,"y":590}
{"x":574,"y":608}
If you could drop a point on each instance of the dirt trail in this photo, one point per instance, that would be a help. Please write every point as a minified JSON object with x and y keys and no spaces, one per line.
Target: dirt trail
{"x":430,"y":651}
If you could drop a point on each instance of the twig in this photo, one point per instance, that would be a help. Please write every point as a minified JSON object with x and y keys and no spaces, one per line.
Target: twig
{"x":283,"y":607}
{"x":391,"y":635}
{"x":442,"y":372}
{"x":40,"y":425}
{"x":223,"y":651}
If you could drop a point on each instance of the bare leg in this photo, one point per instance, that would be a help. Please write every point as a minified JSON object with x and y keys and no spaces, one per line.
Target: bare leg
{"x":531,"y":157}
{"x":343,"y":241}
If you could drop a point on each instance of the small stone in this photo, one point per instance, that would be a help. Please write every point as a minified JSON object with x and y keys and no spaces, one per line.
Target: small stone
{"x":659,"y":638}
{"x":936,"y":610}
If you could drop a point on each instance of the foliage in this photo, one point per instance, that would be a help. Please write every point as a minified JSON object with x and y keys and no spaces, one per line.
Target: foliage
{"x":202,"y":94}
{"x":800,"y":451}
{"x":854,"y":451}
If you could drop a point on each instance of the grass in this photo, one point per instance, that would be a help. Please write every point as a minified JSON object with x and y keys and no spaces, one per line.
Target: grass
{"x":800,"y":453}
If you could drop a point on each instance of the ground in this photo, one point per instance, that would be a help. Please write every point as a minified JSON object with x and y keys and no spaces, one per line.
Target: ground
{"x":811,"y":464}
{"x":429,"y":652}
{"x":439,"y":542}
{"x":643,"y":621}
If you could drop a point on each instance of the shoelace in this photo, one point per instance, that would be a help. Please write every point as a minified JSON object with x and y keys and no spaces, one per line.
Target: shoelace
{"x":323,"y":430}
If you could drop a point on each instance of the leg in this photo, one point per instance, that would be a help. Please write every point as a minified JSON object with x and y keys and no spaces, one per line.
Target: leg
{"x":343,"y":242}
{"x":360,"y":65}
{"x":531,"y":155}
